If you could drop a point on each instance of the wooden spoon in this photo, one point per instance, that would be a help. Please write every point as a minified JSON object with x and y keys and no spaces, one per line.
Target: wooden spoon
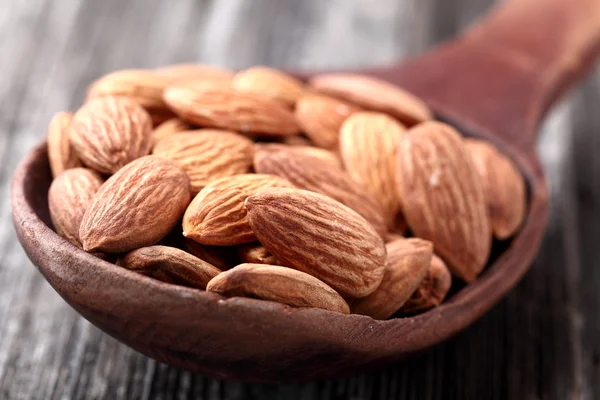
{"x":494,"y":81}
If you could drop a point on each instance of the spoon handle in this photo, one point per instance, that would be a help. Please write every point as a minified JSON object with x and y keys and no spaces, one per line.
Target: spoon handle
{"x":503,"y":73}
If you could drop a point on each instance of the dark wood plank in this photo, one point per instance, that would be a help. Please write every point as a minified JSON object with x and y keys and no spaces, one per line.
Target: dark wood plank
{"x":540,"y":342}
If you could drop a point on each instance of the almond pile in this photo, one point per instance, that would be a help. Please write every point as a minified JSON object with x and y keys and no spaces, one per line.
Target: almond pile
{"x":341,"y":194}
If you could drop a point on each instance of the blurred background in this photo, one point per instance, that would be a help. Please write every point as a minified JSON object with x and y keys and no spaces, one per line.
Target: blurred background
{"x":540,"y":342}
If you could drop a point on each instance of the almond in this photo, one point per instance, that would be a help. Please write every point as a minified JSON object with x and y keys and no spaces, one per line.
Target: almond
{"x":321,"y":118}
{"x":189,"y":71}
{"x":443,"y":198}
{"x":373,"y":94}
{"x":407,"y":263}
{"x":217,"y":215}
{"x":280,"y":284}
{"x":432,"y":289}
{"x":219,"y":256}
{"x":60,"y":153}
{"x":69,"y":196}
{"x":309,"y":172}
{"x":167,"y":128}
{"x":170,"y":265}
{"x":503,"y":185}
{"x":256,"y":253}
{"x":136,"y":207}
{"x":145,"y":87}
{"x":227,"y":109}
{"x":109,"y":132}
{"x":368,"y":146}
{"x":207,"y":154}
{"x":297,"y":141}
{"x":269,"y":82}
{"x":320,"y":236}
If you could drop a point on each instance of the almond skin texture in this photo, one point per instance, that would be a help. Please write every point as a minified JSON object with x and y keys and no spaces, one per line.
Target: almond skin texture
{"x":256,"y":253}
{"x":504,"y":187}
{"x":168,"y":128}
{"x":170,"y":265}
{"x":320,"y":236}
{"x":69,"y":197}
{"x":207,"y":154}
{"x":279,"y":284}
{"x":136,"y":207}
{"x":145,"y":87}
{"x":373,"y":94}
{"x":323,"y":155}
{"x":219,"y":256}
{"x":407,"y":264}
{"x":443,"y":198}
{"x":109,"y":132}
{"x":321,"y":118}
{"x":60,"y":153}
{"x":305,"y":171}
{"x":188,"y":71}
{"x":218,"y":107}
{"x":217,"y":215}
{"x":432,"y":290}
{"x":270,"y":83}
{"x":368,"y":147}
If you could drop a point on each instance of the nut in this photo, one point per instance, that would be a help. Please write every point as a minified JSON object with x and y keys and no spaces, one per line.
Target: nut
{"x":224,"y":108}
{"x":503,"y":185}
{"x":320,"y":236}
{"x":368,"y":143}
{"x":109,"y":132}
{"x":207,"y":154}
{"x":432,"y":290}
{"x":188,"y":71}
{"x":167,"y":128}
{"x":270,"y":83}
{"x":280,"y":284}
{"x":60,"y":153}
{"x":217,"y":215}
{"x":136,"y":207}
{"x":442,"y":197}
{"x":170,"y":265}
{"x":69,"y":196}
{"x":406,"y":265}
{"x":373,"y":94}
{"x":256,"y":253}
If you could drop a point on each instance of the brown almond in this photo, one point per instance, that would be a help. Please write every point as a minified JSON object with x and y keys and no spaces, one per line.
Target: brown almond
{"x":269,"y":82}
{"x":136,"y":207}
{"x":443,"y":198}
{"x":167,"y":128}
{"x":373,"y":94}
{"x":189,"y":71}
{"x":256,"y":253}
{"x":504,"y":187}
{"x":217,"y":215}
{"x":145,"y":87}
{"x":320,"y":236}
{"x":109,"y":132}
{"x":225,"y":108}
{"x":321,"y":118}
{"x":207,"y":154}
{"x":69,"y":196}
{"x":309,"y":172}
{"x":60,"y":153}
{"x":432,"y":290}
{"x":170,"y":265}
{"x":296,"y":141}
{"x":279,"y":284}
{"x":221,"y":257}
{"x":407,"y":263}
{"x":368,"y":147}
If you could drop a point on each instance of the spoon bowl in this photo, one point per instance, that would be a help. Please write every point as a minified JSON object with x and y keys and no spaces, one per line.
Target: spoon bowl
{"x":495,"y":81}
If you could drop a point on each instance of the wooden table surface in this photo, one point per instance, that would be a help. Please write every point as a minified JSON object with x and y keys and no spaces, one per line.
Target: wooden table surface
{"x":541,"y":342}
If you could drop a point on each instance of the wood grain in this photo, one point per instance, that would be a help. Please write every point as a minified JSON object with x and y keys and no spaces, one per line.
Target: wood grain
{"x":540,"y":342}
